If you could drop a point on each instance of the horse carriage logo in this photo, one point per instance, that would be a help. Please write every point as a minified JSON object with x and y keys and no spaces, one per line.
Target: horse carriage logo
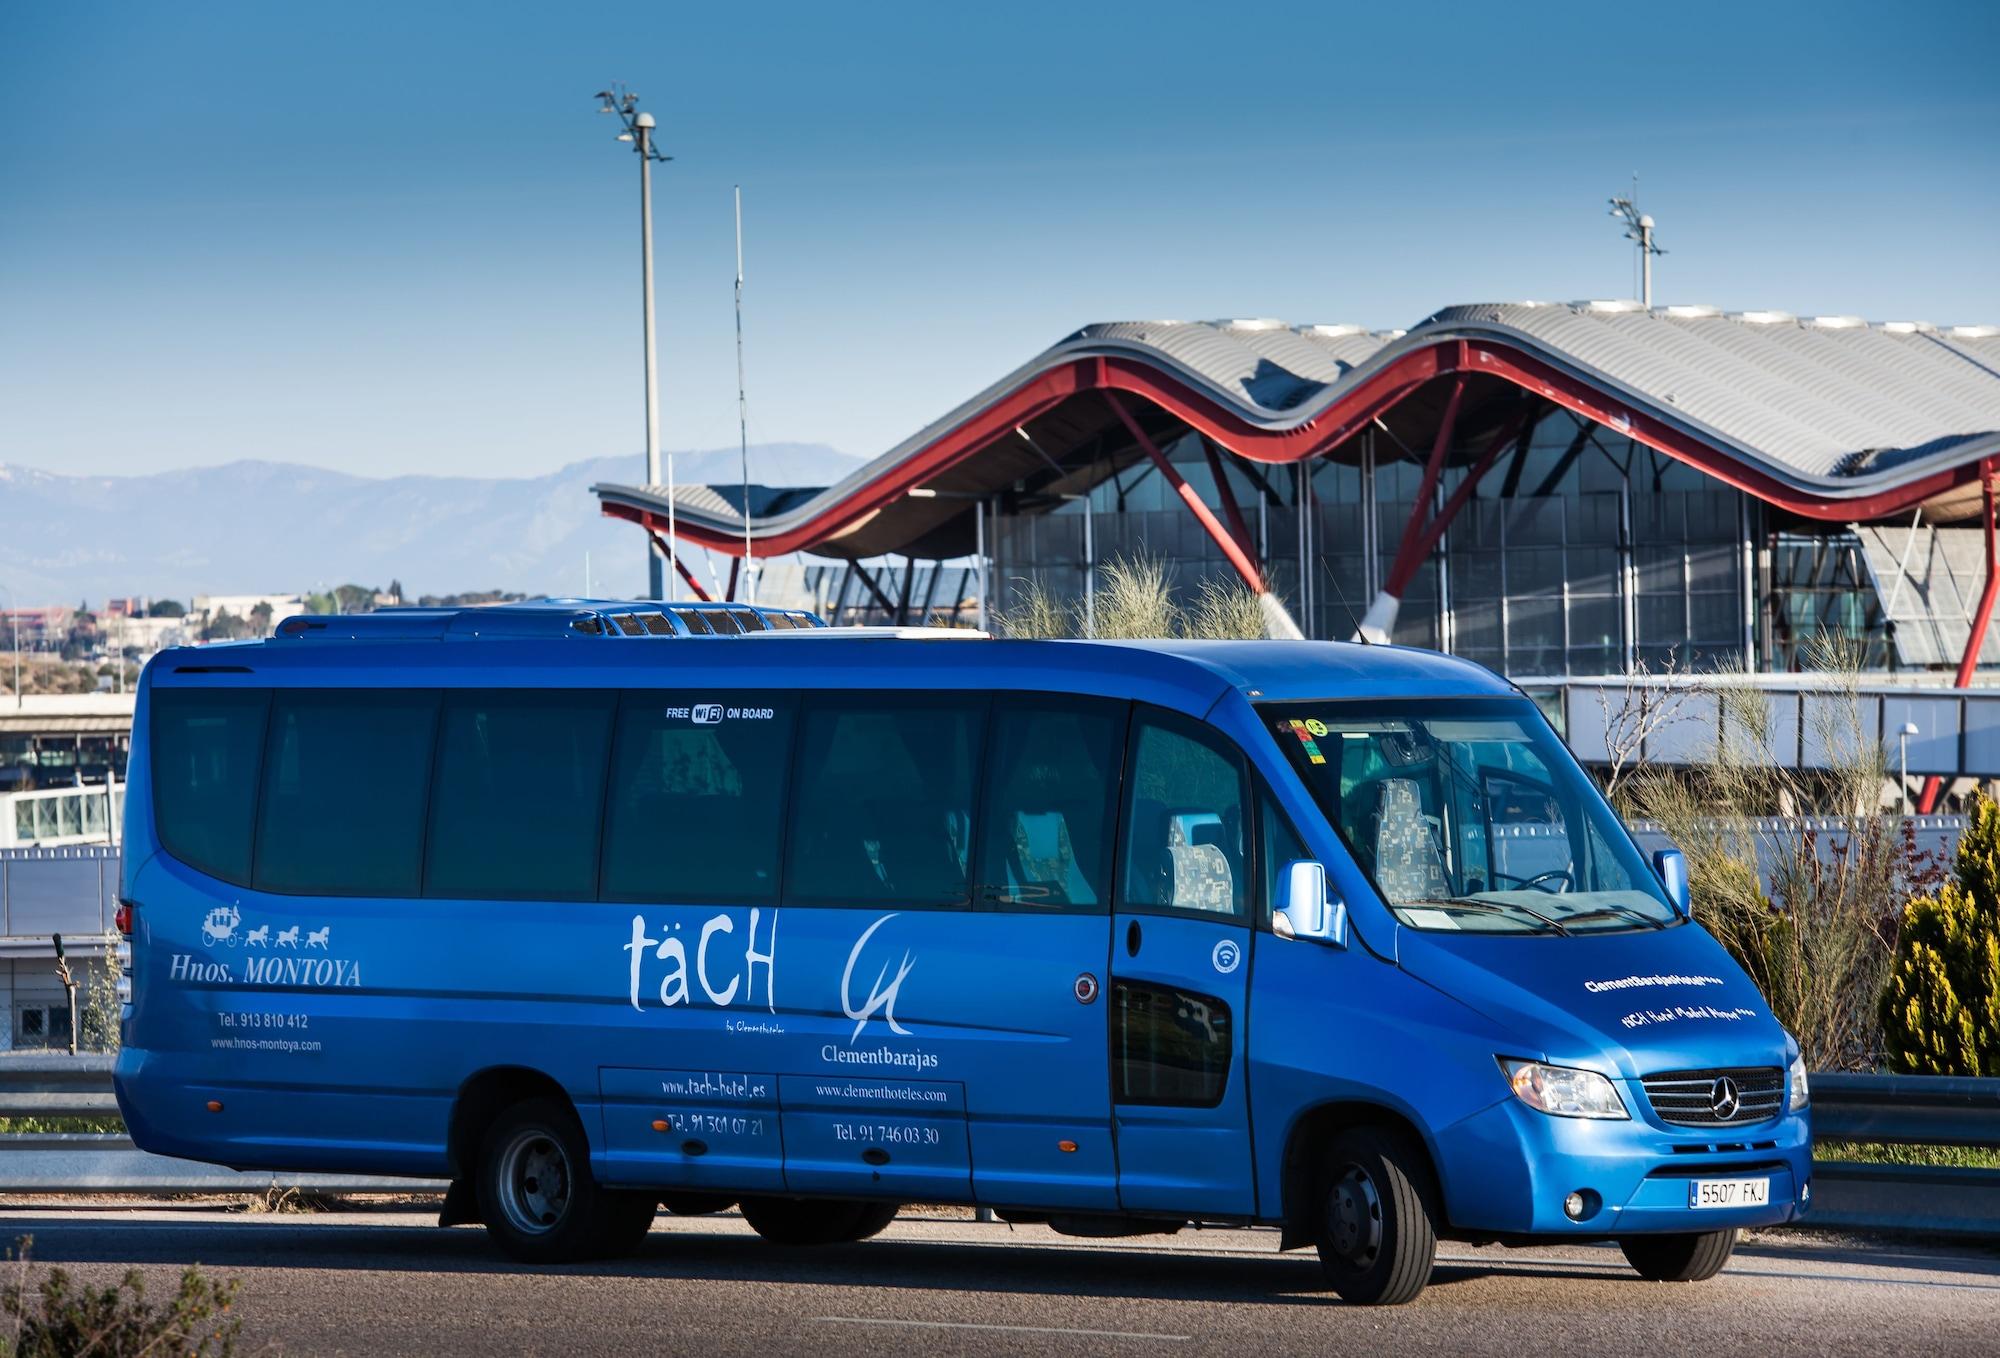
{"x":222,"y":922}
{"x":220,"y":926}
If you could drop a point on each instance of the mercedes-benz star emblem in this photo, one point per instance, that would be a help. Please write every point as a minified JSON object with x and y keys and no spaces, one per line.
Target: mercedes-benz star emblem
{"x":1723,"y":1100}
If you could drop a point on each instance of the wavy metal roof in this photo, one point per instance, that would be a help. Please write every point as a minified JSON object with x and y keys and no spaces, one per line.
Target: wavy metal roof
{"x":1831,"y":416}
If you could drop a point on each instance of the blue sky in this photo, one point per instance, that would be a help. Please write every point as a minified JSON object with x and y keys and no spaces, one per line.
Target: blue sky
{"x":389,"y":237}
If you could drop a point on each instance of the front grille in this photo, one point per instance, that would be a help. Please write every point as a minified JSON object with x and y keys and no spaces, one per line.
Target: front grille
{"x":1686,"y":1098}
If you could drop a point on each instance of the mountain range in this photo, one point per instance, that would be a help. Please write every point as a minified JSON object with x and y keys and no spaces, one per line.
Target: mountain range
{"x":271,"y":527}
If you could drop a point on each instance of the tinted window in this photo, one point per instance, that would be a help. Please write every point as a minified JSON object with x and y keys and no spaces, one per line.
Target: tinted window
{"x":696,"y":809}
{"x":520,"y":784}
{"x":205,"y":748}
{"x":1184,"y":845}
{"x":346,"y":776}
{"x":1168,"y":1045}
{"x":883,"y":801}
{"x":1050,"y":809}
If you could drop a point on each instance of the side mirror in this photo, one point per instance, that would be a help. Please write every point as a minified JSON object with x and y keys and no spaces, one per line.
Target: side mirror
{"x":1304,"y":908}
{"x":1672,"y":867}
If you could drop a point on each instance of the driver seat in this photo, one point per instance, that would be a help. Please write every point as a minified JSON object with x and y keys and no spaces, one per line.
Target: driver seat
{"x":1408,"y":866}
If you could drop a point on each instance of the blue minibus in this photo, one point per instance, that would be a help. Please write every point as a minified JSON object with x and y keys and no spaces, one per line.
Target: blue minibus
{"x":589,"y":916}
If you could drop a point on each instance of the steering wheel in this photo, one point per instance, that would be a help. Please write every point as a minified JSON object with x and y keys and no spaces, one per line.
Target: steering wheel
{"x":1562,"y":875}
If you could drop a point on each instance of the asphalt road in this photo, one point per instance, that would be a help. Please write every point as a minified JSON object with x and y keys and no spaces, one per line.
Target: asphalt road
{"x":383,"y":1282}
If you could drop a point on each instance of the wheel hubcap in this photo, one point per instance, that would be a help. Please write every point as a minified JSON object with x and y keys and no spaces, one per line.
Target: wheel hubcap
{"x":1354,"y":1217}
{"x":534,"y":1182}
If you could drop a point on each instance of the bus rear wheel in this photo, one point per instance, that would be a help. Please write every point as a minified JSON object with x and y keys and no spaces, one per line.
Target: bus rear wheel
{"x":1376,"y":1231}
{"x":816,"y":1221}
{"x":1679,"y":1258}
{"x":537,"y":1197}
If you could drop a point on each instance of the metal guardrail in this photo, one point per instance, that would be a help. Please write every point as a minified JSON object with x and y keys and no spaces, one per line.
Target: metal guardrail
{"x":1897,"y":1109}
{"x":1938,"y":1110}
{"x":64,"y":1086}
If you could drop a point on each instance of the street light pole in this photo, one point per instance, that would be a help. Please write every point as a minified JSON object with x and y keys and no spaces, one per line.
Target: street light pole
{"x":639,"y":131}
{"x":1639,"y":230}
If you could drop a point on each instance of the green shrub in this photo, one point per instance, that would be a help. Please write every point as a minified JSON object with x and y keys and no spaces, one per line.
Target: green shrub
{"x":1941,"y":1006}
{"x":59,"y":1317}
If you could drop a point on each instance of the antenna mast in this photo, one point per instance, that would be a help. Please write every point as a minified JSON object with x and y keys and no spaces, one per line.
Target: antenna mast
{"x":743,"y":412}
{"x":1639,"y":230}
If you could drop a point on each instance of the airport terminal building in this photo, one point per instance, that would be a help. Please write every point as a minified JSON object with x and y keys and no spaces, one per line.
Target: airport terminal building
{"x":1559,"y":491}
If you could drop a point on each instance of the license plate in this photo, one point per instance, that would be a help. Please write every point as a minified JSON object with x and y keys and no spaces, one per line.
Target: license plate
{"x":1729,"y":1192}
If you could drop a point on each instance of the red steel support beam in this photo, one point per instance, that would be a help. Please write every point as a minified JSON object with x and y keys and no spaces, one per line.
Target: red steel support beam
{"x":1231,"y":548}
{"x":660,"y":546}
{"x":735,"y":568}
{"x":1969,"y":662}
{"x":1233,"y":512}
{"x":1416,"y":543}
{"x":1456,"y":500}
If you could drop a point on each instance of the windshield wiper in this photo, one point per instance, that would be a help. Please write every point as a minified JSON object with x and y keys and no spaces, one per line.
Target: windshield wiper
{"x":1603,"y":911}
{"x":1490,"y":908}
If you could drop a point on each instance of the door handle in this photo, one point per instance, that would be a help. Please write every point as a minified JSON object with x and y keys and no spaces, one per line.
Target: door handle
{"x":1132,"y":938}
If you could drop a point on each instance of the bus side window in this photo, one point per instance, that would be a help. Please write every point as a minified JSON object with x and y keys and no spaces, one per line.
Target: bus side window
{"x":1050,"y":809}
{"x":519,"y":784}
{"x":1184,"y":831}
{"x":207,"y":744}
{"x":346,"y":774}
{"x":696,"y":806}
{"x":882,"y":804}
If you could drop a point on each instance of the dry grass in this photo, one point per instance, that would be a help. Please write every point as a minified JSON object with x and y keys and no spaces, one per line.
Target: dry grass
{"x":1818,"y":944}
{"x":1224,"y":610}
{"x":1135,"y":602}
{"x":1037,"y":615}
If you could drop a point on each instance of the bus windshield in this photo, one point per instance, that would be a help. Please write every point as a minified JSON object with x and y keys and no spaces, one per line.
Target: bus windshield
{"x":1468,"y":814}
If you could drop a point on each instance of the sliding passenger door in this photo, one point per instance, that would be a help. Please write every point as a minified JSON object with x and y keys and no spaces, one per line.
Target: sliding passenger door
{"x":943,"y":948}
{"x":1180,"y":974}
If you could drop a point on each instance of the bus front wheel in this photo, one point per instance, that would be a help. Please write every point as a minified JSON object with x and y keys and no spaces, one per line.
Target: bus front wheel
{"x":1376,"y":1231}
{"x":1679,"y":1258}
{"x":816,"y":1221}
{"x":537,"y":1197}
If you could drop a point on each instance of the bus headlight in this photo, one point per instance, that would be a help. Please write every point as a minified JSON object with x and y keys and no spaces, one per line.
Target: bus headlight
{"x":1801,"y":1095}
{"x":1563,"y":1091}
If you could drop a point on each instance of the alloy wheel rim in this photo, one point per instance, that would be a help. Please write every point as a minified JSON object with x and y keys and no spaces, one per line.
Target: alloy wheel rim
{"x":1354,"y":1217}
{"x":534,"y":1182}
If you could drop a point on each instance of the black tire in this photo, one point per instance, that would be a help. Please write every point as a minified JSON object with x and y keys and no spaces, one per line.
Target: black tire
{"x":696,"y":1204}
{"x":816,"y":1221}
{"x":537,"y":1197}
{"x":1374,"y":1218}
{"x":1679,"y":1258}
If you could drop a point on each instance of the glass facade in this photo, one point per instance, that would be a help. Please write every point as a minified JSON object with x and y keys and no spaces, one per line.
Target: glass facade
{"x":1578,"y":554}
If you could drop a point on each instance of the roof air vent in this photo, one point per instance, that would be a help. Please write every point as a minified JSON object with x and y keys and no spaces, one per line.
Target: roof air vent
{"x":1254,"y":324}
{"x":1388,"y":334}
{"x":1908,"y":328}
{"x":1837,"y":323}
{"x":1973,"y":331}
{"x":1695,"y":312}
{"x":1332,"y":331}
{"x":1763,"y":317}
{"x":1610,"y":306}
